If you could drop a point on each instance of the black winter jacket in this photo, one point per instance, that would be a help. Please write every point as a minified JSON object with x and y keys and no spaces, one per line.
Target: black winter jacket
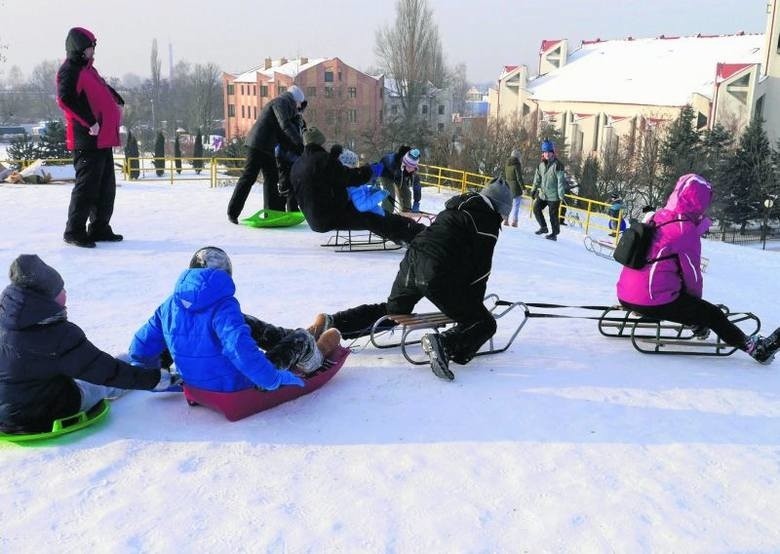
{"x":278,"y":123}
{"x":38,"y":362}
{"x":457,"y":248}
{"x":320,"y":183}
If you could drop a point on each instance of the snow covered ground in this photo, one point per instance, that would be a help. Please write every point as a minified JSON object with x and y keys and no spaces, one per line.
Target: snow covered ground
{"x":569,"y":442}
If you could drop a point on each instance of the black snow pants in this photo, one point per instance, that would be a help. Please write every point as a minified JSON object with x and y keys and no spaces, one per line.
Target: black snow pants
{"x":93,"y":193}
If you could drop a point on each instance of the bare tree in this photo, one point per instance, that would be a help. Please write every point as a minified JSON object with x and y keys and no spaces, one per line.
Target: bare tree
{"x":156,"y":66}
{"x":410,"y":52}
{"x":41,"y":84}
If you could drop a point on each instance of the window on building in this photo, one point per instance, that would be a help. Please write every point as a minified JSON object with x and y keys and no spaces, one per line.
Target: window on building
{"x":242,"y":90}
{"x":254,"y":112}
{"x":328,"y":92}
{"x":424,"y":109}
{"x":440,"y":127}
{"x":339,"y":76}
{"x":441,"y":109}
{"x":243,"y":109}
{"x":231,"y":89}
{"x":760,"y":107}
{"x":231,"y":110}
{"x":526,"y":109}
{"x":701,"y":120}
{"x":328,"y":76}
{"x":352,"y":116}
{"x":352,"y":92}
{"x":282,"y":89}
{"x":254,"y":90}
{"x":311,"y":92}
{"x":263,"y":91}
{"x":330,"y":117}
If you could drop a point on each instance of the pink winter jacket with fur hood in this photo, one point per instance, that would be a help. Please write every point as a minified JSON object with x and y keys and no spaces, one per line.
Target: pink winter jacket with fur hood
{"x":680,"y":225}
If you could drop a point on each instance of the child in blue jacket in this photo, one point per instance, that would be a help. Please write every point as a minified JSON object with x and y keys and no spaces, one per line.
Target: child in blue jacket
{"x":214,"y":345}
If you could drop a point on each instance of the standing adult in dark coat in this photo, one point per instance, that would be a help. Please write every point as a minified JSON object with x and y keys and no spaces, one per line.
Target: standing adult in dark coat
{"x":320,"y":184}
{"x":449,"y":264}
{"x":48,"y":368}
{"x":92,"y":116}
{"x":284,"y":162}
{"x":278,"y":123}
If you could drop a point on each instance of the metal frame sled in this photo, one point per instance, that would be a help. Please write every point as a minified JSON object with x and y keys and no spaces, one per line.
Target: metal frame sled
{"x":411,"y":325}
{"x":240,"y":404}
{"x":426,"y":218}
{"x":64,"y":425}
{"x":361,"y":241}
{"x":274,"y":218}
{"x":653,"y":336}
{"x":600,"y":247}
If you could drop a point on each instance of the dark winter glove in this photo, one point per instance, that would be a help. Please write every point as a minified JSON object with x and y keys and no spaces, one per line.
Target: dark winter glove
{"x":169,"y":382}
{"x":336,"y":150}
{"x":376,"y":169}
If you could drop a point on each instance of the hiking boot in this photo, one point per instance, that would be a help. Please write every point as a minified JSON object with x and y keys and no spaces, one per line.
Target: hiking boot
{"x":328,"y":342}
{"x":700,"y":332}
{"x":312,"y":359}
{"x":104,"y":234}
{"x":322,"y":322}
{"x":542,"y":231}
{"x":763,"y":349}
{"x":551,"y":236}
{"x":79,"y":239}
{"x":437,"y":354}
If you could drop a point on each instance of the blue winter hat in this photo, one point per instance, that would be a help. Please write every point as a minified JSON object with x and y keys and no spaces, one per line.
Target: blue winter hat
{"x":548,"y":146}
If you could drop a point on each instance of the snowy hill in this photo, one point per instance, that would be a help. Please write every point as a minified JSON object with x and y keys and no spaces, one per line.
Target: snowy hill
{"x":569,"y":442}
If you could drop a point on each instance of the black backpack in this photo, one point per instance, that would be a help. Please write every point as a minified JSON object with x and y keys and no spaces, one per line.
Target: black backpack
{"x":634,"y":244}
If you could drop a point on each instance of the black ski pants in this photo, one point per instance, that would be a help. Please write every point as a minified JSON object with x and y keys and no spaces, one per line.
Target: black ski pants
{"x":555,"y":224}
{"x":474,"y":323}
{"x":93,"y":193}
{"x":257,"y":161}
{"x":693,"y":311}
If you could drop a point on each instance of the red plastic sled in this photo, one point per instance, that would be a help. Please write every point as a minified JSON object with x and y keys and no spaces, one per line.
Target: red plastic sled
{"x":240,"y":404}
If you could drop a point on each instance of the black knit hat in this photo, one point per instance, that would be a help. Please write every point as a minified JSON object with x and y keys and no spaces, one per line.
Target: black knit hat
{"x":28,"y":271}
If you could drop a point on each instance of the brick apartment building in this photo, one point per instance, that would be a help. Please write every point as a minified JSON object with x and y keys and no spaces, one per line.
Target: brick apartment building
{"x":343,"y":102}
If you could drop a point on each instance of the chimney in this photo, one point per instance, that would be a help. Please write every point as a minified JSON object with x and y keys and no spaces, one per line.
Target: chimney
{"x":267,"y":63}
{"x":304,"y":61}
{"x":282,"y":61}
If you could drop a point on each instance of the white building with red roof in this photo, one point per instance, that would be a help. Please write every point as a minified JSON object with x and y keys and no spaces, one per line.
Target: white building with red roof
{"x":606,"y":89}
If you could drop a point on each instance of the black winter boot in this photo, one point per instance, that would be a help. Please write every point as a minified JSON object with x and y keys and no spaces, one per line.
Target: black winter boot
{"x":103,"y":234}
{"x":762,"y":349}
{"x":433,"y":346}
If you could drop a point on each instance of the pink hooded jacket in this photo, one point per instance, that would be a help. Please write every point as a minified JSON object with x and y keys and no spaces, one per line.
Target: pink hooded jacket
{"x":679,"y":226}
{"x":85,"y":98}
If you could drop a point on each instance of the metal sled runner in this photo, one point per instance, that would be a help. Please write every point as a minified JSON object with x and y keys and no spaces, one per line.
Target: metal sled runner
{"x":346,"y":240}
{"x":411,"y":327}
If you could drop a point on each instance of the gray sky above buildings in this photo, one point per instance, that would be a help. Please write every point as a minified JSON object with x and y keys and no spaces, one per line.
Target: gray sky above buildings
{"x":238,"y":34}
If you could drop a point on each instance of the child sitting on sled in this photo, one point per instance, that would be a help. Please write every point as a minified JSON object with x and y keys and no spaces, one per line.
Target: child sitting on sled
{"x":48,"y":368}
{"x":217,"y":348}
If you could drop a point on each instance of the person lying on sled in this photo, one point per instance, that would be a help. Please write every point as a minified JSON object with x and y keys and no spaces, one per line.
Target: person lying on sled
{"x":320,"y":183}
{"x":670,"y":285}
{"x":449,"y":264}
{"x":217,"y":348}
{"x":48,"y":368}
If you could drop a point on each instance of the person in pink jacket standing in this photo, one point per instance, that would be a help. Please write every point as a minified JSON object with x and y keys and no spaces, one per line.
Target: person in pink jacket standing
{"x":92,"y":115}
{"x":669,"y":287}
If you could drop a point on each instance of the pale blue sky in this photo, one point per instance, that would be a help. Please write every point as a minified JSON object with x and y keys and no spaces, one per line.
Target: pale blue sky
{"x":486,"y":34}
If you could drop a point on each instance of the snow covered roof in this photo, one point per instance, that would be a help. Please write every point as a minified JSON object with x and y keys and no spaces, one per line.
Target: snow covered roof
{"x":290,"y":68}
{"x":654,"y":71}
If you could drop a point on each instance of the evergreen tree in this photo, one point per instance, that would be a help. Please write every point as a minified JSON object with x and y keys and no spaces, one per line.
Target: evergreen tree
{"x":52,"y":146}
{"x":177,"y":154}
{"x":131,"y":155}
{"x":589,"y":178}
{"x":159,"y":154}
{"x":21,"y":149}
{"x":747,"y":178}
{"x":680,"y":150}
{"x":197,"y":152}
{"x":717,"y":144}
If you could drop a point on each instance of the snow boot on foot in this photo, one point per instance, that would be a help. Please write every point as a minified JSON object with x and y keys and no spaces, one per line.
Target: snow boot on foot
{"x":542,"y":231}
{"x":322,"y":322}
{"x":551,"y":236}
{"x":437,"y":354}
{"x":762,"y":349}
{"x":328,"y":342}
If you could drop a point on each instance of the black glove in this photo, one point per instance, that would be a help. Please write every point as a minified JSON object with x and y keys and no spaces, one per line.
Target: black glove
{"x":336,"y":150}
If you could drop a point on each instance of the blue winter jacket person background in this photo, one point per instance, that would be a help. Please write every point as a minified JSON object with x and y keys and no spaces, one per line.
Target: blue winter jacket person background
{"x":202,"y":325}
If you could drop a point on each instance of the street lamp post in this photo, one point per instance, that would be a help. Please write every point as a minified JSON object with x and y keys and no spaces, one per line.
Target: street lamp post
{"x":768,"y":203}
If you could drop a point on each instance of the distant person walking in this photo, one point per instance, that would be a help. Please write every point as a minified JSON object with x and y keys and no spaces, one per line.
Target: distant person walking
{"x":513,"y":175}
{"x":279,"y":123}
{"x":92,"y":116}
{"x":549,"y":189}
